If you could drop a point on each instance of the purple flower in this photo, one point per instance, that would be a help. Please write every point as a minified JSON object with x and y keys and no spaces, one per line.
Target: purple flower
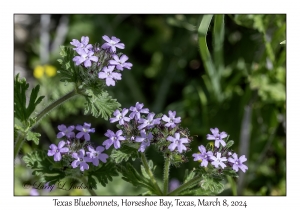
{"x":171,"y":121}
{"x":64,"y":131}
{"x":177,"y":142}
{"x":112,"y":43}
{"x":113,"y":139}
{"x":34,"y":192}
{"x":217,"y":137}
{"x":96,"y":155}
{"x":80,"y":160}
{"x":83,"y":45}
{"x":84,"y":131}
{"x":145,"y":139}
{"x":204,"y":156}
{"x":110,"y":76}
{"x":238,"y":162}
{"x":137,"y":109}
{"x":85,"y":58}
{"x":120,"y":63}
{"x":120,"y":116}
{"x":149,"y":122}
{"x":57,"y":150}
{"x":173,"y":184}
{"x":218,"y":161}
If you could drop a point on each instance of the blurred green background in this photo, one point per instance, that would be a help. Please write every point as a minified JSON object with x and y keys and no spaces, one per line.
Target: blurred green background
{"x":240,"y":87}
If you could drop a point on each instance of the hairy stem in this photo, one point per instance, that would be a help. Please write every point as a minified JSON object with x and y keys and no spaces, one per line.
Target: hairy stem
{"x":186,"y":185}
{"x":149,"y":172}
{"x":166,"y":175}
{"x":19,"y":142}
{"x":55,"y":104}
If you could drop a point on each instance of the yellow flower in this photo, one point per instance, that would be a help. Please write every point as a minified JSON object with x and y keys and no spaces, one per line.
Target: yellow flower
{"x":38,"y":72}
{"x":50,"y":70}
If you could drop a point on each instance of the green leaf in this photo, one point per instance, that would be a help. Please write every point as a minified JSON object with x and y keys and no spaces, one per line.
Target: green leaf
{"x":188,"y":176}
{"x":100,"y":104}
{"x":131,"y":175}
{"x":124,"y":154}
{"x":43,"y":167}
{"x":230,"y":172}
{"x":229,"y":144}
{"x":32,"y":136}
{"x":283,"y":42}
{"x":69,"y":72}
{"x":20,"y":87}
{"x":212,"y":185}
{"x":103,"y":174}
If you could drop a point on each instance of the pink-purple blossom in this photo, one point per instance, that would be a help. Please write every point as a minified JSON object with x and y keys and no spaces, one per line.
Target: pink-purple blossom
{"x":149,"y":122}
{"x":218,"y":160}
{"x":177,"y":142}
{"x":113,"y":139}
{"x":58,"y":150}
{"x":95,"y":155}
{"x":120,"y":116}
{"x":203,"y":156}
{"x":238,"y":162}
{"x":80,"y":160}
{"x":171,"y":121}
{"x":112,"y":43}
{"x":137,"y":110}
{"x":64,"y":131}
{"x":83,"y":45}
{"x":85,"y":57}
{"x":145,"y":139}
{"x":109,"y":76}
{"x":84,"y":131}
{"x":120,"y":63}
{"x":218,"y":137}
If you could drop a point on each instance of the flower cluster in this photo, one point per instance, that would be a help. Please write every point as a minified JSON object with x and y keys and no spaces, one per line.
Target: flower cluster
{"x":102,"y":61}
{"x":220,"y":157}
{"x":76,"y":149}
{"x":144,"y":127}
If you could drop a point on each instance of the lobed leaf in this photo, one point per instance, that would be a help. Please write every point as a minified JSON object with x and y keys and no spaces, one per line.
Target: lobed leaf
{"x":43,"y":167}
{"x":100,"y":104}
{"x":124,"y":154}
{"x":21,"y":111}
{"x":135,"y":178}
{"x":33,"y":136}
{"x":103,"y":174}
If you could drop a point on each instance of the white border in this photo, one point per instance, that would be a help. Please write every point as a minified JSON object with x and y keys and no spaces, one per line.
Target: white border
{"x":149,"y":7}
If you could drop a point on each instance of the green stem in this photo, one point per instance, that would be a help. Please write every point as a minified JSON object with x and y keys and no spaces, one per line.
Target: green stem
{"x":55,"y":104}
{"x":166,"y":175}
{"x":19,"y":142}
{"x":186,"y":185}
{"x":91,"y":191}
{"x":149,"y":172}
